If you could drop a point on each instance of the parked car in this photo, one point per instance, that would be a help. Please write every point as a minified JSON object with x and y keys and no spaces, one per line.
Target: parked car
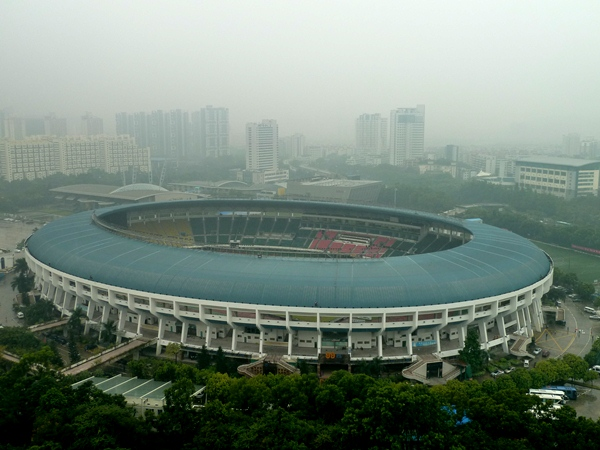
{"x":537,"y":351}
{"x":20,"y":315}
{"x":497,"y":372}
{"x":595,"y":317}
{"x":545,"y":353}
{"x":596,"y":369}
{"x":509,"y":370}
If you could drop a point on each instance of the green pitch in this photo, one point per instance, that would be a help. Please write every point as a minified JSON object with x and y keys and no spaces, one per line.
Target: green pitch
{"x":587,"y":267}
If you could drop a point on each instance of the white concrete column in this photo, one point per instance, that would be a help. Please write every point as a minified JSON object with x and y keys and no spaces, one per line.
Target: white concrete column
{"x":380,"y":345}
{"x":528,"y":323}
{"x":409,"y":344}
{"x":105,"y":313}
{"x":261,"y":343}
{"x":121,"y":325}
{"x":349,"y":342}
{"x":58,"y":295}
{"x":234,"y":339}
{"x":161,"y":334}
{"x":462,"y":332}
{"x":502,"y":330}
{"x":140,"y":322}
{"x":90,"y":309}
{"x":438,"y":342}
{"x":64,"y":303}
{"x":208,"y":335}
{"x":184,"y":332}
{"x":290,"y":342}
{"x":319,"y":341}
{"x":483,"y":333}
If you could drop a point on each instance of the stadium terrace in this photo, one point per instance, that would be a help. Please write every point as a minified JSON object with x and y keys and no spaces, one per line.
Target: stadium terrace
{"x":293,"y":278}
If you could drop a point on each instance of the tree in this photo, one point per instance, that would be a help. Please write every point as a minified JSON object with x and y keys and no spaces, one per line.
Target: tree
{"x":203,"y":361}
{"x":74,"y":355}
{"x":173,"y":349}
{"x":578,"y":365}
{"x":21,"y":266}
{"x":74,"y":325}
{"x":109,"y":329}
{"x":221,"y":362}
{"x":23,"y":283}
{"x":472,"y":353}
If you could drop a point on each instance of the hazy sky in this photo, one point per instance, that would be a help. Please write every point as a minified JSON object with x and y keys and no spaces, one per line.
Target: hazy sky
{"x":487,"y":71}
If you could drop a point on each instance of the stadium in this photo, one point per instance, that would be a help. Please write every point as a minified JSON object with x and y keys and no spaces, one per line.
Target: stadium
{"x":296,"y":279}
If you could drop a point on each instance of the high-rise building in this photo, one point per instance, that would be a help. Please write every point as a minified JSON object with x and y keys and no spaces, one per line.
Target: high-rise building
{"x":210,"y":128}
{"x":91,"y":125}
{"x":292,"y":146}
{"x":262,"y":145}
{"x":168,"y":134}
{"x":451,"y":153}
{"x":572,"y":144}
{"x":44,"y":156}
{"x":55,"y":126}
{"x":407,"y":135}
{"x":371,"y":134}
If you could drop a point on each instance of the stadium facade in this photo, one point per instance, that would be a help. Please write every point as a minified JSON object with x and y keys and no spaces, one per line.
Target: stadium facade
{"x":293,"y":278}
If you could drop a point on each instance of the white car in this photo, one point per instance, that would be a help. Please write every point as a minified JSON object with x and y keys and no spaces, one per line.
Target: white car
{"x":537,"y":351}
{"x":595,"y":317}
{"x":509,"y":370}
{"x":20,"y":315}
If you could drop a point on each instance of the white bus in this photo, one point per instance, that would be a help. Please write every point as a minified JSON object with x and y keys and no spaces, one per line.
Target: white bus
{"x":551,"y":398}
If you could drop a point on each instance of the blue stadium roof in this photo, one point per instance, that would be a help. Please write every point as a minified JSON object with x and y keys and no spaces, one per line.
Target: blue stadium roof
{"x":494,"y":262}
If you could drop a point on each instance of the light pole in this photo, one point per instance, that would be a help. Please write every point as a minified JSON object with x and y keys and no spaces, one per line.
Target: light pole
{"x":395,"y":194}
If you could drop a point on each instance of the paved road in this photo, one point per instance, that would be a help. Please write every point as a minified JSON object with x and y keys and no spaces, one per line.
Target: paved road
{"x":11,"y":233}
{"x":575,"y":337}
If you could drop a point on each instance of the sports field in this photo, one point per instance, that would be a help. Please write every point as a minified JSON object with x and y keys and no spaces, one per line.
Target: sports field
{"x":586,"y":266}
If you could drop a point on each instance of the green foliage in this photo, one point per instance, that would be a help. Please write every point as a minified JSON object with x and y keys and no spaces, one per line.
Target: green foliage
{"x":74,"y":355}
{"x":23,"y":283}
{"x":39,"y":312}
{"x":19,"y":340}
{"x":472,"y":353}
{"x":204,"y":359}
{"x":109,"y":331}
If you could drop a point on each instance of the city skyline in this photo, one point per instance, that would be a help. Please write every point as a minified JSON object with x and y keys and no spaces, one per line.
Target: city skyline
{"x":489,"y":72}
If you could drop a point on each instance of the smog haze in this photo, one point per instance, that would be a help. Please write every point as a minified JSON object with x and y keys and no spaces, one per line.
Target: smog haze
{"x":500,"y":71}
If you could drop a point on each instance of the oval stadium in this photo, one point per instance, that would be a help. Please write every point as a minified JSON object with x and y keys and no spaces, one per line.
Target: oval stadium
{"x":294,"y":279}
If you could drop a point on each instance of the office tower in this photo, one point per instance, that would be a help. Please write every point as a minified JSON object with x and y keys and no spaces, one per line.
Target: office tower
{"x":371,"y":134}
{"x":292,"y":146}
{"x":168,"y":134}
{"x":211,"y":131}
{"x":572,"y":144}
{"x":407,"y":135}
{"x":55,"y":126}
{"x":451,"y":153}
{"x":91,"y":125}
{"x":262,"y":146}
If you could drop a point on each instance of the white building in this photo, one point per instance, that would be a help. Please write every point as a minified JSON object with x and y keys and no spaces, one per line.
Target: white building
{"x":292,"y":146}
{"x":44,"y":156}
{"x":371,"y":134}
{"x":563,"y":177}
{"x":407,"y":135}
{"x":91,"y":125}
{"x":213,"y":131}
{"x":262,"y":145}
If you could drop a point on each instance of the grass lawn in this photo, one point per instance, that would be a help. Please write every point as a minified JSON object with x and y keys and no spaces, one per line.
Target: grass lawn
{"x":587,"y":267}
